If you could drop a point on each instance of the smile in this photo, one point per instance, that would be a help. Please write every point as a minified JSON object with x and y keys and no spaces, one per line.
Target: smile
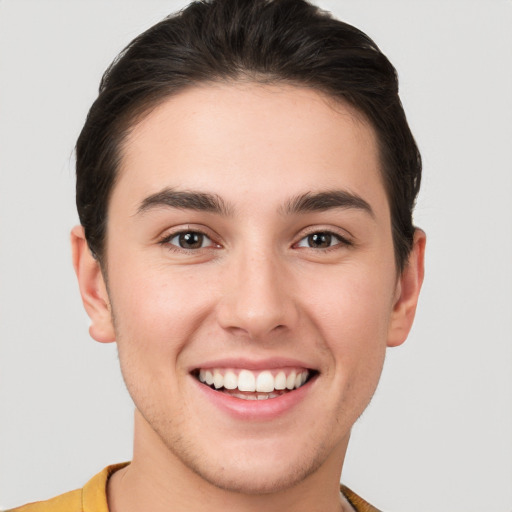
{"x":251,"y":385}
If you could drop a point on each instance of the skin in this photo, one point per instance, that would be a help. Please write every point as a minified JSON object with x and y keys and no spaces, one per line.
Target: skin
{"x":256,"y":290}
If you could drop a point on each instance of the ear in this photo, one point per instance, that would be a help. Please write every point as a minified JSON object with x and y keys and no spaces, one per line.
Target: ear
{"x":407,"y":292}
{"x":92,"y":288}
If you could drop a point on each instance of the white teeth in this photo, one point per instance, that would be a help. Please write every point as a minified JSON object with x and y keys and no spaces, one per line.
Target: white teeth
{"x":218,"y":379}
{"x":280,"y":381}
{"x":265,"y":382}
{"x":262,"y":384}
{"x":290,"y":380}
{"x":246,"y":381}
{"x":230,"y":380}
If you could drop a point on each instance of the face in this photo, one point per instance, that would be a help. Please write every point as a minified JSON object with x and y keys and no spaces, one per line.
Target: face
{"x":251,"y":279}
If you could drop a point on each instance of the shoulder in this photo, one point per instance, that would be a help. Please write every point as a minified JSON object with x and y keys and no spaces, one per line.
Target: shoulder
{"x":68,"y":502}
{"x":91,"y":498}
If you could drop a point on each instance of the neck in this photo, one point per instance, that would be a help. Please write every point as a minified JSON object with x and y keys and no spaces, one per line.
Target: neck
{"x":157,"y":480}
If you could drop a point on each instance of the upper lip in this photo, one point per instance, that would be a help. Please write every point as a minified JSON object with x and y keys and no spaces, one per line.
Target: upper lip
{"x":253,"y":364}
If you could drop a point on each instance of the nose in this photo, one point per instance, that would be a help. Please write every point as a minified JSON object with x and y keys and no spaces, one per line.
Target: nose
{"x":258,"y":298}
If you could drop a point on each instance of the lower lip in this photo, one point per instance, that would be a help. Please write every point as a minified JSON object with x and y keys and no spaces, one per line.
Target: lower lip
{"x":256,"y":410}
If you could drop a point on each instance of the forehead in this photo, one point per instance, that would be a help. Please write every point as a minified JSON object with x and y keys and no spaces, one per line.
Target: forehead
{"x":249,"y":140}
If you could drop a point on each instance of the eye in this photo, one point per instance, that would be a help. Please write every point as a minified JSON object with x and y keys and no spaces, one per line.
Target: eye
{"x":322,"y":240}
{"x":189,"y":240}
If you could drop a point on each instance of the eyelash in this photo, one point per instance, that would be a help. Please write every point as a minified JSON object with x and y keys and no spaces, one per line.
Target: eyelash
{"x":341,"y":241}
{"x":166,"y":240}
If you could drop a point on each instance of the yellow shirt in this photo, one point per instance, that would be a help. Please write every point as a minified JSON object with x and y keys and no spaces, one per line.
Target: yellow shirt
{"x":93,"y":497}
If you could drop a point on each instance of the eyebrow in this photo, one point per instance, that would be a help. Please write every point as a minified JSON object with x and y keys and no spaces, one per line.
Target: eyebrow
{"x":213,"y":203}
{"x":321,"y":201}
{"x":186,"y":200}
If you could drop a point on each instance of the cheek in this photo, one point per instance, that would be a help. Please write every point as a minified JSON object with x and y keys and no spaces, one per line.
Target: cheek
{"x":353,"y":305}
{"x":157,"y":311}
{"x":352,"y":312}
{"x":156,"y":314}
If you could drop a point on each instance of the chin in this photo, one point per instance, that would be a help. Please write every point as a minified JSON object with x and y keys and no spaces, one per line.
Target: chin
{"x":259,"y":468}
{"x":251,"y":478}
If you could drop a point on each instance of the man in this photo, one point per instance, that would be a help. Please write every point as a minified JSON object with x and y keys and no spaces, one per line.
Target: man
{"x":245,"y":185}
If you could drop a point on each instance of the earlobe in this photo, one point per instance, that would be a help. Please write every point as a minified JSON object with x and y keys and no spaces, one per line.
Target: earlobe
{"x":408,"y":289}
{"x":92,"y":288}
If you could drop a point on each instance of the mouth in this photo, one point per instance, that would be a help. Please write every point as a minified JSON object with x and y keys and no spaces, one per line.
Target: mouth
{"x":254,"y":385}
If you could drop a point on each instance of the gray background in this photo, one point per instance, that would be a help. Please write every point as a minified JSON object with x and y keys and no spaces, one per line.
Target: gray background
{"x":438,"y":435}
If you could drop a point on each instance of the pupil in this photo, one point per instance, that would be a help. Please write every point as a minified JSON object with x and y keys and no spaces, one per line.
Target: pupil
{"x":191,"y":240}
{"x":320,"y":240}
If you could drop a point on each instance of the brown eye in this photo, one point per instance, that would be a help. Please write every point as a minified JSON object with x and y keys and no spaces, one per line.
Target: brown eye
{"x":320,"y":240}
{"x":190,"y":240}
